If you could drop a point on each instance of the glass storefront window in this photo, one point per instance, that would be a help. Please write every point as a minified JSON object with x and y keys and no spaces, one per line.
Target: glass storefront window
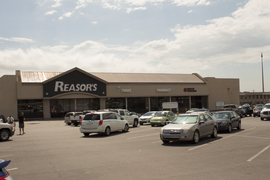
{"x":87,"y":104}
{"x":196,"y":101}
{"x":31,"y":108}
{"x":59,"y":107}
{"x":183,"y":103}
{"x":139,"y":105}
{"x":115,"y":103}
{"x":156,"y":103}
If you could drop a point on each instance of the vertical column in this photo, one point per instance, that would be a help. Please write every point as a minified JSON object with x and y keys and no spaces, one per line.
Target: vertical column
{"x":126,"y":103}
{"x":149,"y":104}
{"x":46,"y":108}
{"x":189,"y":101}
{"x":102,"y":103}
{"x":75,"y":105}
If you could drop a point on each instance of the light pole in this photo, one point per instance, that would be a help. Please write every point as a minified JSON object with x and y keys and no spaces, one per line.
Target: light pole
{"x":262,"y":72}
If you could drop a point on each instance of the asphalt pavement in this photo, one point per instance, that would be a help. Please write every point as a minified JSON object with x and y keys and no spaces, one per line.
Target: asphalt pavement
{"x":53,"y":150}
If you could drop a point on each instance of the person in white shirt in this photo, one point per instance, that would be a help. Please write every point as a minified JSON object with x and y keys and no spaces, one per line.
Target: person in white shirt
{"x":10,"y":119}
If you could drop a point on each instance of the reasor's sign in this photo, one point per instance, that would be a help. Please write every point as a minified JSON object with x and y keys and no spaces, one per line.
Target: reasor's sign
{"x":61,"y":86}
{"x":74,"y":81}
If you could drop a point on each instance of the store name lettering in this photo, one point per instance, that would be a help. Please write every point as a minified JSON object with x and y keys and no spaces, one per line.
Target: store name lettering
{"x":61,"y":86}
{"x":163,"y":90}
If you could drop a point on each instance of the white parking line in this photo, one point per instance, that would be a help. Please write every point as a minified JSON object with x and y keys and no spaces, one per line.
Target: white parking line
{"x":259,"y":153}
{"x":143,"y":136}
{"x":12,"y":169}
{"x":5,"y":156}
{"x":221,"y":139}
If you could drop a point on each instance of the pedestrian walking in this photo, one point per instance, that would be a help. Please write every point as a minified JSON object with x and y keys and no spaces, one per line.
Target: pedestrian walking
{"x":21,"y":123}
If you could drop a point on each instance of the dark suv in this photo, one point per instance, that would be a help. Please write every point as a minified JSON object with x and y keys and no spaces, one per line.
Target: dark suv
{"x":233,"y":107}
{"x":246,"y":110}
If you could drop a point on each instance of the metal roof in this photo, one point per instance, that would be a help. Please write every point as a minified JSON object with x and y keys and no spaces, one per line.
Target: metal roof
{"x":39,"y":77}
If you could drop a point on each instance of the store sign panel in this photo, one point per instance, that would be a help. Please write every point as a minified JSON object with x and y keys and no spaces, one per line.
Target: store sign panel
{"x":163,"y":90}
{"x":74,"y":82}
{"x":190,"y":90}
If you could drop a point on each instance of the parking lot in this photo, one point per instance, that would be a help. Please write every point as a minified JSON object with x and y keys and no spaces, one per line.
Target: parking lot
{"x":53,"y":150}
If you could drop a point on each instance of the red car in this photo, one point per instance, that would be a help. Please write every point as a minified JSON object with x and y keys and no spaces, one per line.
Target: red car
{"x":257,"y":111}
{"x":4,"y":175}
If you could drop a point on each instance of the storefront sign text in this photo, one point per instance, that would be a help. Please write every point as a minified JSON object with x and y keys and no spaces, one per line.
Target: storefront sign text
{"x":126,"y":90}
{"x":163,"y":90}
{"x":190,"y":90}
{"x":62,"y":87}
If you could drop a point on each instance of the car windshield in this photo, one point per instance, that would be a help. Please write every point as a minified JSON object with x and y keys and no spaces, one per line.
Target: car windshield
{"x":68,"y":114}
{"x":185,"y":119}
{"x":192,"y":109}
{"x":243,"y":107}
{"x":221,"y":115}
{"x":230,"y":106}
{"x":258,"y":109}
{"x":149,"y":114}
{"x":92,"y":117}
{"x":160,"y":114}
{"x":267,"y":106}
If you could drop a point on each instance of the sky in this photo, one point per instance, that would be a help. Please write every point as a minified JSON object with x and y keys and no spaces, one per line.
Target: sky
{"x":214,"y":38}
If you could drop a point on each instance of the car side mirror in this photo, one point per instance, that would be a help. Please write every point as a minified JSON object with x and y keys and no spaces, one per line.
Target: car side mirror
{"x":122,"y":118}
{"x":202,"y":121}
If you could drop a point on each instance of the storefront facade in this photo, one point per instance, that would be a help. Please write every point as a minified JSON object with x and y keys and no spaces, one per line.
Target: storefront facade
{"x":50,"y":95}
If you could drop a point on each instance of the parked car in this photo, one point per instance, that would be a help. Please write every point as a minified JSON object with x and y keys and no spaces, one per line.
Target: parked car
{"x":246,"y":110}
{"x":103,"y":122}
{"x":227,"y":120}
{"x":75,"y":119}
{"x":203,"y":110}
{"x":147,"y":117}
{"x":258,"y":105}
{"x":2,"y":118}
{"x":6,"y":131}
{"x":190,"y":127}
{"x":135,"y":114}
{"x":265,"y":113}
{"x":233,"y":107}
{"x":162,"y":118}
{"x":67,"y":117}
{"x":257,"y":111}
{"x":133,"y":120}
{"x":4,"y":175}
{"x":191,"y":110}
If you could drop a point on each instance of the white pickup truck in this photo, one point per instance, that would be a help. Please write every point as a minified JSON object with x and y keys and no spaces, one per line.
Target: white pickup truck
{"x":133,"y":120}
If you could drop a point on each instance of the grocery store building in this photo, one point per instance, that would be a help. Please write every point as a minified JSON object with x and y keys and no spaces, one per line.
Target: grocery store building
{"x":52,"y":94}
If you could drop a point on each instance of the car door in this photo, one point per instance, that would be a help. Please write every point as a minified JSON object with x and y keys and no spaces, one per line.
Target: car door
{"x":237,"y":119}
{"x":128,"y":117}
{"x":120,"y":122}
{"x":202,"y":126}
{"x":233,"y":120}
{"x":210,"y":123}
{"x":110,"y":119}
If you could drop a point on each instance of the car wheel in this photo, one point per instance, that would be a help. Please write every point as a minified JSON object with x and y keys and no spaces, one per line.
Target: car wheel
{"x":262,"y":119}
{"x":75,"y":124}
{"x":135,"y":123}
{"x":107,"y":131}
{"x":254,"y":115}
{"x":196,"y":137}
{"x":141,"y":123}
{"x":165,"y":141}
{"x":230,"y":128}
{"x":126,"y":128}
{"x":152,"y":125}
{"x":69,"y":124}
{"x":86,"y":134}
{"x":4,"y":135}
{"x":214,"y":133}
{"x":245,"y":115}
{"x":239,"y":126}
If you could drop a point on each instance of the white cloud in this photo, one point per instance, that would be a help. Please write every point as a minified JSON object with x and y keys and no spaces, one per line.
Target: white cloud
{"x":94,"y":22}
{"x":50,"y":12}
{"x":18,"y":39}
{"x":57,"y":3}
{"x":190,"y":11}
{"x":129,"y":10}
{"x":191,"y":2}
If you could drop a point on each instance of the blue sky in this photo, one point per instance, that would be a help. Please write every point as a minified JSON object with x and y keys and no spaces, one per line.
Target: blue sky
{"x":214,"y":38}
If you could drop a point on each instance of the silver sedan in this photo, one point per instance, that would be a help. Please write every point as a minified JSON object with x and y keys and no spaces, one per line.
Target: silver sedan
{"x":189,"y":127}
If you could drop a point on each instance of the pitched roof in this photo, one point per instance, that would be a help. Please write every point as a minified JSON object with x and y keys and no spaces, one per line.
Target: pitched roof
{"x":40,"y":77}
